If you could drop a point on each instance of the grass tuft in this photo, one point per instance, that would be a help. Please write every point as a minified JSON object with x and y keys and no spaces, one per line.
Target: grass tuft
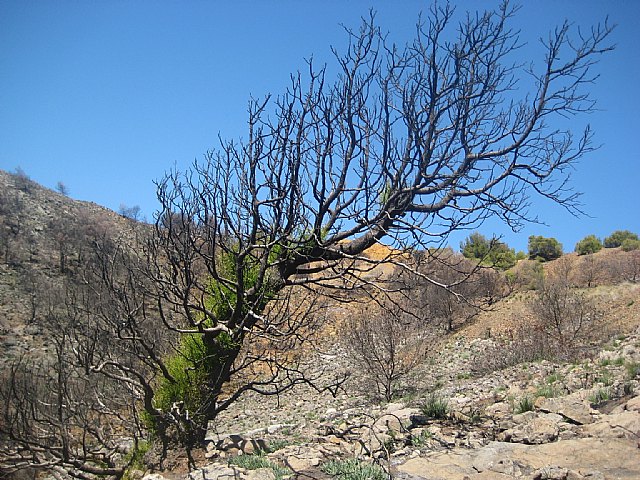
{"x":353,"y":469}
{"x":435,"y":407}
{"x":525,"y":404}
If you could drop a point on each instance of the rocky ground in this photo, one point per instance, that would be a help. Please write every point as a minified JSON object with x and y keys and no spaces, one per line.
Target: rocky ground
{"x":537,"y":420}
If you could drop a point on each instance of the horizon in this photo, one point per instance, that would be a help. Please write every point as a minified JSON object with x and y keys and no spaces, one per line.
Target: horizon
{"x":139,"y":218}
{"x":106,"y":97}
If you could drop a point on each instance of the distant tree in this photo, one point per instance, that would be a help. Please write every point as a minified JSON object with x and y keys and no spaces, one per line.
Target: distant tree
{"x":475,"y":246}
{"x":62,"y":188}
{"x":617,"y":238}
{"x":488,"y":251}
{"x":22,"y":180}
{"x":630,"y":266}
{"x":589,"y":244}
{"x":630,"y":244}
{"x":543,"y":248}
{"x":590,"y":270}
{"x":132,"y":213}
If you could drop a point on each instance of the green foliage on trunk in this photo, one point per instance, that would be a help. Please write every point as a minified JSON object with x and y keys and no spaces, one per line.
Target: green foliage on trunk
{"x":196,"y":369}
{"x":191,"y":368}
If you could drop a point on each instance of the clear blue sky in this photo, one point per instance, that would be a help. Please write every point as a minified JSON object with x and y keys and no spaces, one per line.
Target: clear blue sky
{"x":105,"y":96}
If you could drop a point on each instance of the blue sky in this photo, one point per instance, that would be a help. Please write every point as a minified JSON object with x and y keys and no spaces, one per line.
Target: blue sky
{"x":106,"y":96}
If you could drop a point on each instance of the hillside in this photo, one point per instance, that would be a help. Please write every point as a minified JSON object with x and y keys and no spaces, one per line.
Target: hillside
{"x":511,"y":408}
{"x":44,"y":239}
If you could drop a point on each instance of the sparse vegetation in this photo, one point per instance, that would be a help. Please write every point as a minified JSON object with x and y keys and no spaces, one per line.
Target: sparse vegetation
{"x":435,"y":407}
{"x":547,"y":391}
{"x":600,"y":396}
{"x":569,"y":320}
{"x":386,"y":344}
{"x":256,"y":461}
{"x":544,"y":249}
{"x":421,"y":439}
{"x":135,"y":459}
{"x":617,"y":238}
{"x":353,"y":469}
{"x":632,"y":369}
{"x":588,"y":245}
{"x":525,"y":404}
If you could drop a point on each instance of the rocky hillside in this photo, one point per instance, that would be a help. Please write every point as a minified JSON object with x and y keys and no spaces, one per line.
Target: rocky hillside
{"x":535,"y":420}
{"x":485,"y":400}
{"x":44,"y":240}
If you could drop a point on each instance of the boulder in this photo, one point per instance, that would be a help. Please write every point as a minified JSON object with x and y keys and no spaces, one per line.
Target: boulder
{"x":620,"y":425}
{"x":633,"y":404}
{"x":537,"y":430}
{"x":260,"y":474}
{"x":578,"y":458}
{"x":572,"y":407}
{"x":214,"y":471}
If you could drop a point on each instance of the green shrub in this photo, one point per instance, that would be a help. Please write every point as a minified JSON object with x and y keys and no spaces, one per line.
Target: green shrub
{"x":599,"y":396}
{"x":135,"y":459}
{"x":606,"y":378}
{"x":435,"y":407}
{"x":197,"y":360}
{"x":276,"y":445}
{"x":547,"y":391}
{"x":251,"y":462}
{"x":589,"y":244}
{"x":632,"y":369}
{"x":488,"y":251}
{"x":353,"y":469}
{"x":617,"y":238}
{"x":553,"y":378}
{"x":190,"y":368}
{"x":223,"y":295}
{"x":421,"y":439}
{"x":525,"y":404}
{"x":474,"y":415}
{"x":256,"y":461}
{"x":630,"y":244}
{"x":542,"y":248}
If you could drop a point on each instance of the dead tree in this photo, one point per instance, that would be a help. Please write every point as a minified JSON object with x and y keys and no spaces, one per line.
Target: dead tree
{"x":56,"y":416}
{"x":405,"y":143}
{"x":385,"y":344}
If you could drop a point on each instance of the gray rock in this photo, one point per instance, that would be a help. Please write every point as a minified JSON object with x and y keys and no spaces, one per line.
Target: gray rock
{"x":620,"y":425}
{"x":633,"y":404}
{"x":260,"y":474}
{"x":214,"y":471}
{"x":154,"y":476}
{"x":572,"y":407}
{"x":611,"y":458}
{"x":536,"y":430}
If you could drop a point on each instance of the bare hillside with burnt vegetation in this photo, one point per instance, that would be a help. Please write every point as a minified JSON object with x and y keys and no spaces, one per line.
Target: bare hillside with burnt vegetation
{"x":397,"y":371}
